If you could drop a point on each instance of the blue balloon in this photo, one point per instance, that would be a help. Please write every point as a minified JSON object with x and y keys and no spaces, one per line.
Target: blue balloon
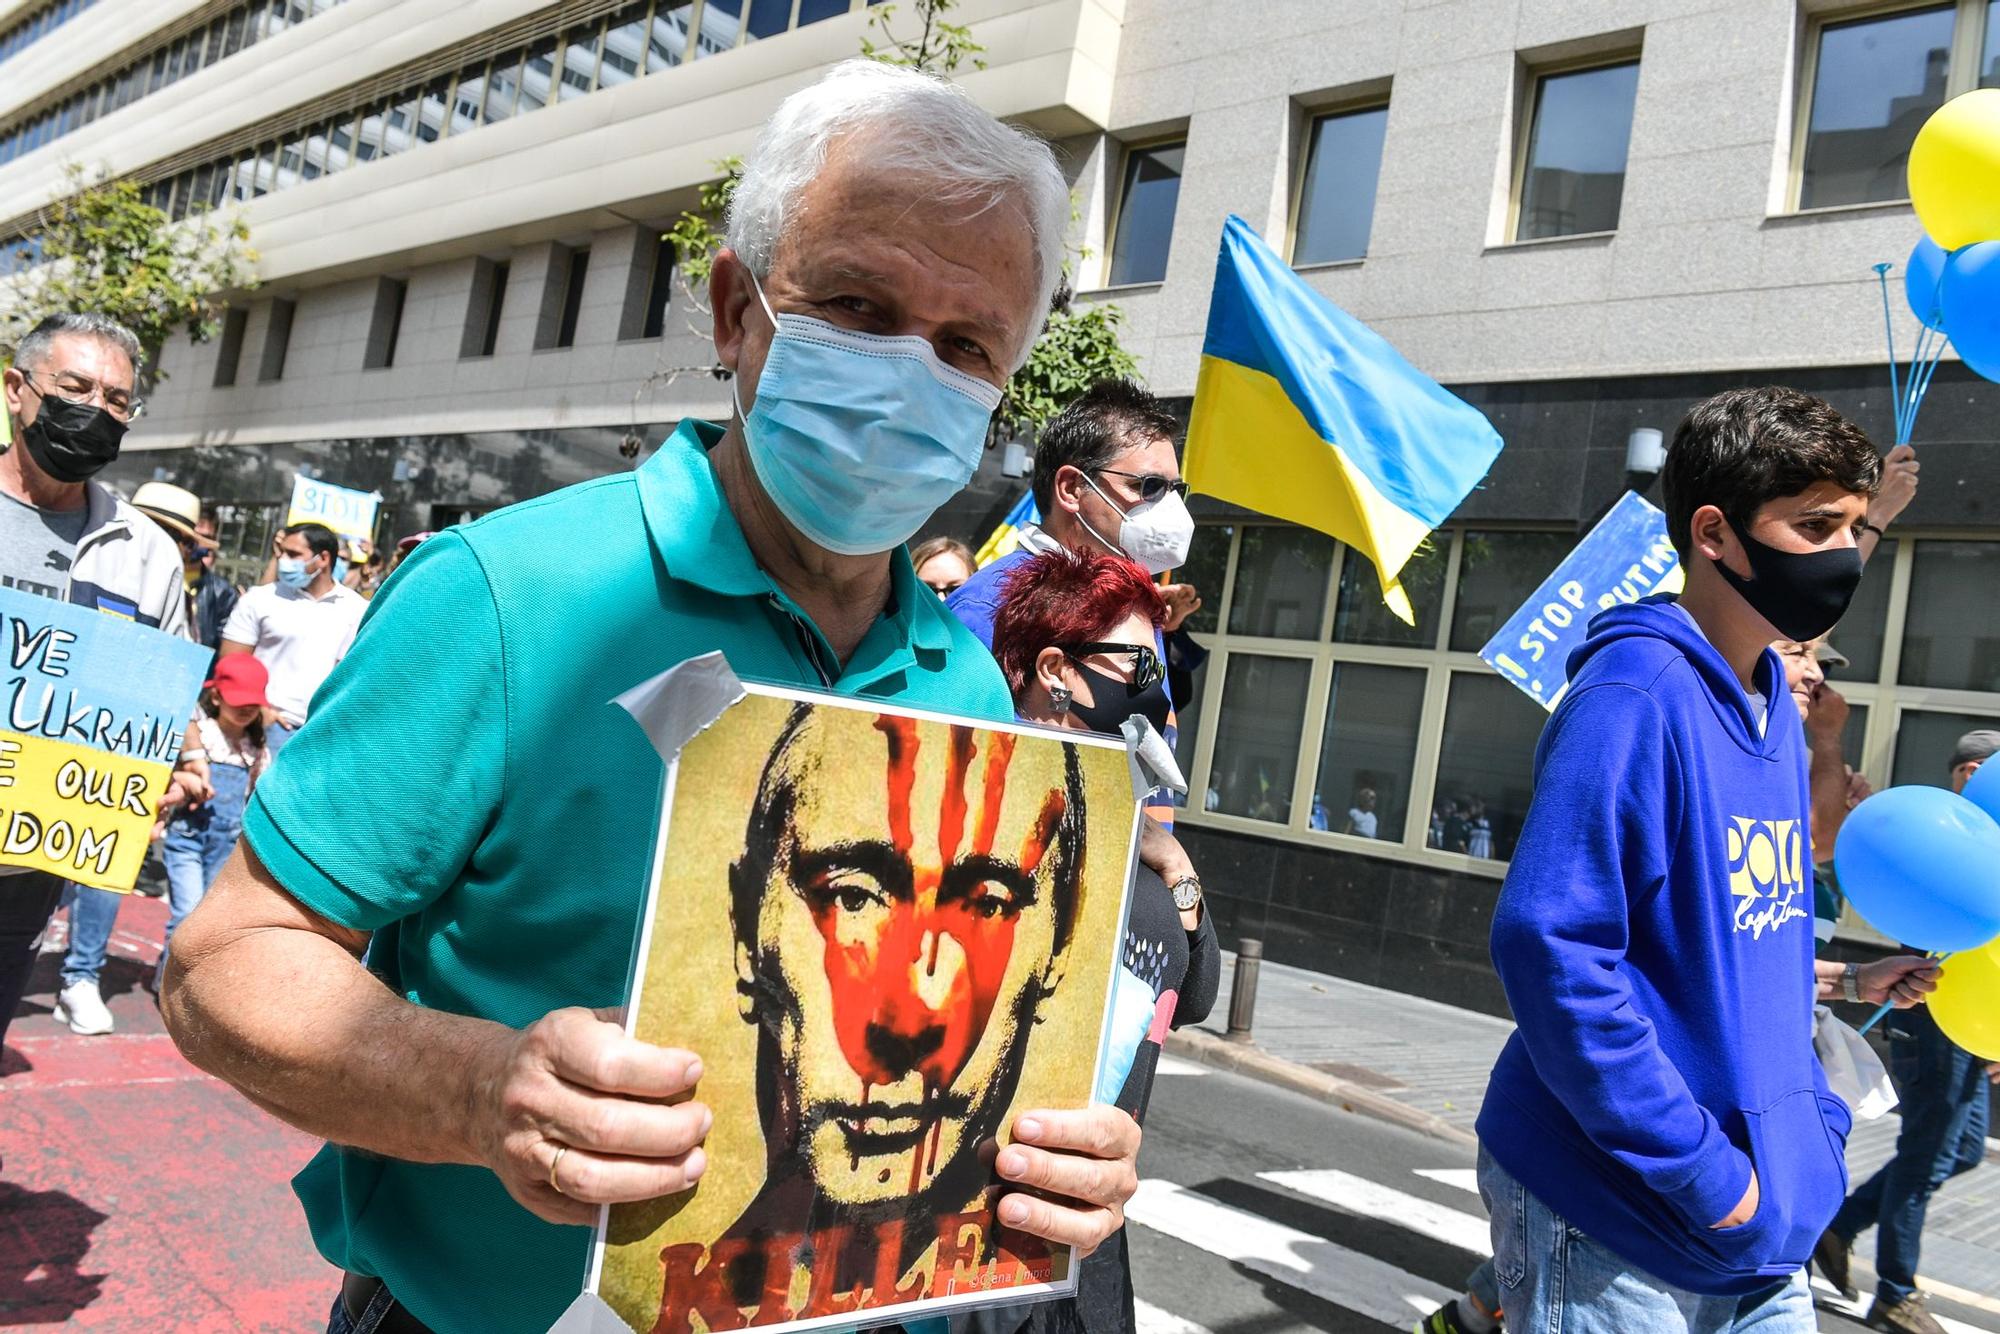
{"x":1923,"y":279}
{"x":1983,"y":788}
{"x":1923,"y":866}
{"x":1972,"y":305}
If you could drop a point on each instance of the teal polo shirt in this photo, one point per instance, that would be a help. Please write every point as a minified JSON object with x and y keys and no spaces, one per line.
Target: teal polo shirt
{"x":466,"y":790}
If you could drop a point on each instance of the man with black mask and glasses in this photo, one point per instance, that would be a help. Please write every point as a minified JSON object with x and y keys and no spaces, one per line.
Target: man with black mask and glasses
{"x":71,"y":393}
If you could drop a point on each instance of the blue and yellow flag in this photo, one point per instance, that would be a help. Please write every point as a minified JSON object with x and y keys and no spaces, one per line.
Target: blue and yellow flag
{"x":1008,"y":535}
{"x":1304,"y":413}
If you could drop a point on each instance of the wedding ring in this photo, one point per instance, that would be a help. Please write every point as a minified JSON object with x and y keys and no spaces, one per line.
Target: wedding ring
{"x":554,"y":1163}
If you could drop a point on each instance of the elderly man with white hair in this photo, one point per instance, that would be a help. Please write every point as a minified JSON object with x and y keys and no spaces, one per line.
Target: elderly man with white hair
{"x":892,"y":252}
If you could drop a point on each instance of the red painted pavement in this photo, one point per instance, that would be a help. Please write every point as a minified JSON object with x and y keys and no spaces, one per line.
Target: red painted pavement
{"x":136,"y":1193}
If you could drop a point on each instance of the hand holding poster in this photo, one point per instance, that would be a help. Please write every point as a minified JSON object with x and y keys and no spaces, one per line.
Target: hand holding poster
{"x":96,"y":709}
{"x":885,"y":934}
{"x":350,"y":514}
{"x":1627,"y":556}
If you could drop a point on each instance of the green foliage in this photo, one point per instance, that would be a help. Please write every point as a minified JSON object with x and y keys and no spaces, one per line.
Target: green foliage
{"x":1078,"y":348}
{"x":938,"y":48}
{"x":696,"y":236}
{"x":105,"y":250}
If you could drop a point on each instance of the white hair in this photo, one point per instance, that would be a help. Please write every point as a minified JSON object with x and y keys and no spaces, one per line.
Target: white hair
{"x":34,"y":346}
{"x":916,"y":125}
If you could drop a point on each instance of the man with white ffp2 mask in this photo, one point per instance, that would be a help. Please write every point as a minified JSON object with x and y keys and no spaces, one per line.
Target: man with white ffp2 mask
{"x":1105,"y":479}
{"x":892,"y":251}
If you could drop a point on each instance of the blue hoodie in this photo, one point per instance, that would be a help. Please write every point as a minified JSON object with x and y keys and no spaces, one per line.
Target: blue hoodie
{"x":1655,"y":938}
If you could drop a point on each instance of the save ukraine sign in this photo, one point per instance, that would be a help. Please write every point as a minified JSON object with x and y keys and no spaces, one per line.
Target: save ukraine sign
{"x":95,"y":710}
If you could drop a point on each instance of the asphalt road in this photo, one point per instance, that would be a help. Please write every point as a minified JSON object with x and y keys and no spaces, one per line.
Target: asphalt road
{"x":1264,"y":1212}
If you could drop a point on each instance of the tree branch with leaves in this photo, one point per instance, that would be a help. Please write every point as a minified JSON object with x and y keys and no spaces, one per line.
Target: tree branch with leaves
{"x":105,"y":250}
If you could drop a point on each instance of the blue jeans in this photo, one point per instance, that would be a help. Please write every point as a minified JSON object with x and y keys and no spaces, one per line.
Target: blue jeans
{"x":1555,"y":1280}
{"x":379,"y":1306}
{"x":1944,"y":1111}
{"x":195,"y":846}
{"x":199,"y":842}
{"x":276,"y":735}
{"x":92,"y":915}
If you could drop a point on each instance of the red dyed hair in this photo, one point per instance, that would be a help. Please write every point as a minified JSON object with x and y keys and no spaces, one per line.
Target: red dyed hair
{"x":1066,"y":597}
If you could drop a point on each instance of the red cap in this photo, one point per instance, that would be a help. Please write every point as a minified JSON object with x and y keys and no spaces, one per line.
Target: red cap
{"x":240,"y":679}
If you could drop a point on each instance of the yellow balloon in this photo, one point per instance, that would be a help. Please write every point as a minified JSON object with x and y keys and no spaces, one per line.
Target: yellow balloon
{"x":1955,"y":170}
{"x":1966,"y":1003}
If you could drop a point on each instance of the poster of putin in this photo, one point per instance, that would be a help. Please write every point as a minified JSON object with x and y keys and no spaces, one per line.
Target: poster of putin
{"x":886,"y":932}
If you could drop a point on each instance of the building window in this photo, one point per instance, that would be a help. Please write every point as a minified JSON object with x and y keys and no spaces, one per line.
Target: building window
{"x":1485,"y":770}
{"x":1989,"y":53}
{"x":562,"y":297}
{"x":1924,"y":742}
{"x":1573,"y":158}
{"x":1257,"y":737}
{"x":649,"y":285}
{"x":385,"y":325}
{"x":229,"y":348}
{"x":482,"y":316}
{"x":1368,"y":752}
{"x":1288,"y":725}
{"x":1281,"y":576}
{"x":277,"y":342}
{"x":1951,"y":632}
{"x":1146,"y":204}
{"x":1337,"y":194}
{"x":1875,"y":81}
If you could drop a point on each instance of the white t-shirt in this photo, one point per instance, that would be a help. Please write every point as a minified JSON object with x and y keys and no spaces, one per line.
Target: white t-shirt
{"x":298,"y":637}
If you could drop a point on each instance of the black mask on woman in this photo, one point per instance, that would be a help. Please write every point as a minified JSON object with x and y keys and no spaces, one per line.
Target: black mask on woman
{"x":1803,"y":594}
{"x":1116,"y":701}
{"x":71,"y":441}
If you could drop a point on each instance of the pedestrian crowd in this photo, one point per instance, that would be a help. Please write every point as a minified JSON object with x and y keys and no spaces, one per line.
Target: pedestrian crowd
{"x":1660,"y":1144}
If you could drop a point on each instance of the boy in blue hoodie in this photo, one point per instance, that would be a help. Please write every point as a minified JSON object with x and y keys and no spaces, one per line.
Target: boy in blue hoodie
{"x":1660,"y":1149}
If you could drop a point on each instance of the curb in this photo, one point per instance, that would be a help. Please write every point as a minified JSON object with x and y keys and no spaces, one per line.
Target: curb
{"x":1254,"y":1062}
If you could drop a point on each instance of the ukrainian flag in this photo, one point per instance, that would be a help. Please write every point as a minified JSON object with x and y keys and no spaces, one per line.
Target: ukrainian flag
{"x":1008,"y":535}
{"x":1304,"y":413}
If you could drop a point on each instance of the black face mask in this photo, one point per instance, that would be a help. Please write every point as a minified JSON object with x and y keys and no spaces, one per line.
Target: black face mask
{"x":71,"y":441}
{"x":1803,"y":594}
{"x":1117,"y":701}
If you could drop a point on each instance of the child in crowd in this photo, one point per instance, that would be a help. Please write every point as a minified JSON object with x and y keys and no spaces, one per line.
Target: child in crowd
{"x":199,"y":839}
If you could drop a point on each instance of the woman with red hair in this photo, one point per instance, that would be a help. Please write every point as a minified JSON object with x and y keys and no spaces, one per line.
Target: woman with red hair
{"x":1075,"y":636}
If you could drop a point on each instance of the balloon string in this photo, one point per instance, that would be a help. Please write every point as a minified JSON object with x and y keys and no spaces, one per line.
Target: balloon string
{"x":1889,"y":328}
{"x":1890,"y":1004}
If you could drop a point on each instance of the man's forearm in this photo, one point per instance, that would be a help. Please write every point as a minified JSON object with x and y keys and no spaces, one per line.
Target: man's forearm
{"x":1829,"y":793}
{"x":292,"y":1019}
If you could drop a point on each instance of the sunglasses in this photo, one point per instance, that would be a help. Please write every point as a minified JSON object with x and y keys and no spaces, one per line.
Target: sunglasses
{"x":1151,"y":485}
{"x":1146,"y":668}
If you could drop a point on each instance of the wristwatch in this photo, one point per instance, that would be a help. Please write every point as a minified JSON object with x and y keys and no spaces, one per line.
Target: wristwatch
{"x":1187,"y":892}
{"x":1850,"y":982}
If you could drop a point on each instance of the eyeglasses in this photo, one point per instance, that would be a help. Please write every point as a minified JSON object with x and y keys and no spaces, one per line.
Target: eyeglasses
{"x":1151,"y":485}
{"x":1146,"y":668}
{"x":80,"y":388}
{"x":946,"y":588}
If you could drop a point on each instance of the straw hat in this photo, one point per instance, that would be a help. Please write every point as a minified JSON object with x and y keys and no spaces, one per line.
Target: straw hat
{"x":174,"y":508}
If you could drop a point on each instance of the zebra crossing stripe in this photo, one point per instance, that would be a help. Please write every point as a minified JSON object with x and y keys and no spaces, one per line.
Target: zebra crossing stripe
{"x":1368,"y":1199}
{"x":1347,"y":1279}
{"x":1826,"y":1295}
{"x":1174,"y":1065}
{"x":1459,"y":1178}
{"x":1152,"y":1320}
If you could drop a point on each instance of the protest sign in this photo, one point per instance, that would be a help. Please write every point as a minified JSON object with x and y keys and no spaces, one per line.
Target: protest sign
{"x":96,"y":707}
{"x":1627,"y":556}
{"x":886,"y":933}
{"x":348,"y":513}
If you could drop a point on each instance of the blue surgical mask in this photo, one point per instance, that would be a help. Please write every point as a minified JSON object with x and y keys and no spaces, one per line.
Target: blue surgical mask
{"x":292,"y":572}
{"x":340,"y":569}
{"x":859,"y":438}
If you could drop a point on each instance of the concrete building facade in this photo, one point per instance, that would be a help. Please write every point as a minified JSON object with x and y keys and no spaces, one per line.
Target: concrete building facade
{"x":1582,"y":215}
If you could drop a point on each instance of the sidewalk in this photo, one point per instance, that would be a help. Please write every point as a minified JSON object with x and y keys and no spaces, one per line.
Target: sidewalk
{"x":1424,"y":1065}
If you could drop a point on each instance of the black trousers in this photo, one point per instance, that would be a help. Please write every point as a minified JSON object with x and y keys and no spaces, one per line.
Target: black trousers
{"x":27,"y":900}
